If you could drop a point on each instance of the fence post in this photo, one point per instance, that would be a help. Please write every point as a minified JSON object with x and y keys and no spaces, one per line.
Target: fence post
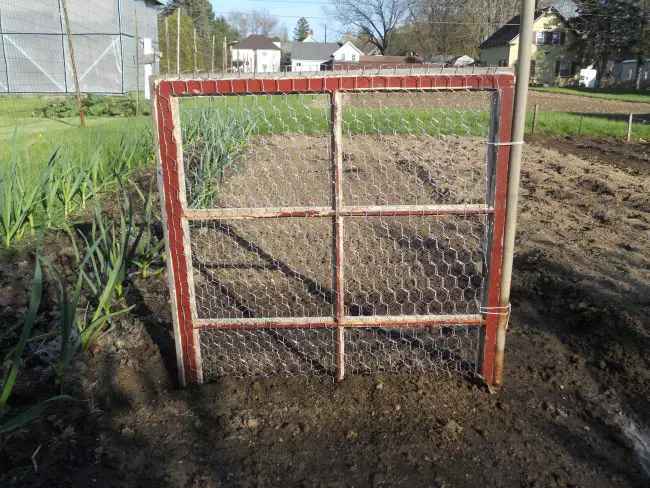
{"x":532,"y":130}
{"x":137,"y":61}
{"x":73,"y":65}
{"x":582,"y":116}
{"x":196,"y":52}
{"x":212,"y":63}
{"x":167,"y":48}
{"x":514,"y":175}
{"x":178,"y":42}
{"x":629,"y":128}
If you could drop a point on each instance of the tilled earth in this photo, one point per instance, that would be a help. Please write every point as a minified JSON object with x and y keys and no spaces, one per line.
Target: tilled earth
{"x":572,"y":412}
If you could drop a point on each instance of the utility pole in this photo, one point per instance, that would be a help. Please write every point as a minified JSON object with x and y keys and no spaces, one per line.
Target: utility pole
{"x":73,"y":65}
{"x":325,"y":32}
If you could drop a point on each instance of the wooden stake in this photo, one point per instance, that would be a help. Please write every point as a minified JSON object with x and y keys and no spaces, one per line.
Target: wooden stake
{"x":532,"y":130}
{"x":629,"y":127}
{"x":73,"y":65}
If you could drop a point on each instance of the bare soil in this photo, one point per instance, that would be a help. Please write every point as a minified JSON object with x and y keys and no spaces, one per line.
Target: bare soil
{"x":575,"y":397}
{"x":556,"y":102}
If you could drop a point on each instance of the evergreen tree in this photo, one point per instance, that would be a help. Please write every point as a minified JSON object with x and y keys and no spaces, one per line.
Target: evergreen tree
{"x":302,"y":30}
{"x":168,"y":61}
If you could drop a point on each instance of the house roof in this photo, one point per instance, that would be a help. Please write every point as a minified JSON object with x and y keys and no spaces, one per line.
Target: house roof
{"x":508,"y":31}
{"x":314,"y":51}
{"x":256,"y":41}
{"x":353,"y":46}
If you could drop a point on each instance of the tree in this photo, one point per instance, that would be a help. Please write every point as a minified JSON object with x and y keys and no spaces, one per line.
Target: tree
{"x":255,"y":22}
{"x":611,"y":29}
{"x":207,"y":27}
{"x":375,"y":20}
{"x":168,"y":61}
{"x":302,"y":30}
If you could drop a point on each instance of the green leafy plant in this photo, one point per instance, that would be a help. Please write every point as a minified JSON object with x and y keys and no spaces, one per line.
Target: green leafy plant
{"x":35,"y":411}
{"x":149,"y":253}
{"x":213,"y":141}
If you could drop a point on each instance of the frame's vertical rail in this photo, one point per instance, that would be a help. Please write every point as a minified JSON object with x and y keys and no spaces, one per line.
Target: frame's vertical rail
{"x":337,"y":172}
{"x":172,"y":192}
{"x":497,"y":193}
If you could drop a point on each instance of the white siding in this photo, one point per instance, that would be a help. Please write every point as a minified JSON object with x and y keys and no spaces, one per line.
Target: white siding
{"x":258,"y":60}
{"x":300,"y":65}
{"x":347,"y":52}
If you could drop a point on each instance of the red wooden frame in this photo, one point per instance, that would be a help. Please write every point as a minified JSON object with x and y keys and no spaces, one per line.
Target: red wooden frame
{"x":176,"y":215}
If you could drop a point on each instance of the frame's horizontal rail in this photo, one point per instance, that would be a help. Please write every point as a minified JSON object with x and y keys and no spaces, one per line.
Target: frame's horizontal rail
{"x":346,"y":211}
{"x":347,"y":321}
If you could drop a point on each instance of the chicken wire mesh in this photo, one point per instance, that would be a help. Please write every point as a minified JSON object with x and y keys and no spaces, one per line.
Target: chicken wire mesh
{"x":319,"y":231}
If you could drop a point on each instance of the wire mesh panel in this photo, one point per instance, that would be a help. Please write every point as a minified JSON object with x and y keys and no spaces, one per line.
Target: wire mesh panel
{"x":333,"y":223}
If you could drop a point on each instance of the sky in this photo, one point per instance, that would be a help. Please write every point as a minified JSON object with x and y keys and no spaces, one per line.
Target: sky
{"x":288,"y":13}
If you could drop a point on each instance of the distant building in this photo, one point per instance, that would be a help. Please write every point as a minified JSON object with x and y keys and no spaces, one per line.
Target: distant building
{"x":553,"y":62}
{"x":315,"y":56}
{"x":376,"y":62}
{"x":34,"y":54}
{"x":256,"y":54}
{"x":624,"y":73}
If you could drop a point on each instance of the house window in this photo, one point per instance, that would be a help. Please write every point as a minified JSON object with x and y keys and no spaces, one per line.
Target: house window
{"x":264,"y":53}
{"x":343,"y":57}
{"x":532,"y":68}
{"x":646,"y":75}
{"x":502,"y":63}
{"x":563,"y":69}
{"x":354,"y":57}
{"x":558,"y":38}
{"x":630,"y":72}
{"x":540,"y":38}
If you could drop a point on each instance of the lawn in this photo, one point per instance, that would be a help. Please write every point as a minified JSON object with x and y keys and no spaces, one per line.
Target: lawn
{"x":633,"y":96}
{"x":562,"y":124}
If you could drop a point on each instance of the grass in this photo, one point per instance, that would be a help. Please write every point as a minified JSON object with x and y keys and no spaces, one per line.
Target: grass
{"x":633,"y":96}
{"x":561,"y":124}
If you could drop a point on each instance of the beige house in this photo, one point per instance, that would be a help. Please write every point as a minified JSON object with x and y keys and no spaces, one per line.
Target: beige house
{"x":553,"y":62}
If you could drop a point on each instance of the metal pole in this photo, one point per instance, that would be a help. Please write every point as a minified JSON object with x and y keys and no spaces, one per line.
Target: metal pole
{"x":225,"y":56}
{"x":137,"y":60}
{"x":514,"y":173}
{"x":167,"y":48}
{"x":195,"y":54}
{"x":212,"y":64}
{"x":532,"y":129}
{"x":629,"y":127}
{"x":178,"y":42}
{"x":73,"y":65}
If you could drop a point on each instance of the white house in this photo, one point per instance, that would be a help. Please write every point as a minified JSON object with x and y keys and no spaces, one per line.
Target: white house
{"x":348,"y":52}
{"x":256,"y":54}
{"x":312,"y":56}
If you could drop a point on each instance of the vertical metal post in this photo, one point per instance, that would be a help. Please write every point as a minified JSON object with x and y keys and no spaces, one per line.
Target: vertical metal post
{"x":532,"y":129}
{"x":225,"y":56}
{"x":514,"y":174}
{"x":337,"y":173}
{"x":137,"y":60}
{"x":73,"y":64}
{"x":196,"y":53}
{"x":629,"y":127}
{"x":167,"y":48}
{"x":178,"y":42}
{"x":212,"y":57}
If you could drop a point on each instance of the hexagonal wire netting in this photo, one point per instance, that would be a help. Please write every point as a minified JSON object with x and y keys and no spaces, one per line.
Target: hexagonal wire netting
{"x":319,"y":229}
